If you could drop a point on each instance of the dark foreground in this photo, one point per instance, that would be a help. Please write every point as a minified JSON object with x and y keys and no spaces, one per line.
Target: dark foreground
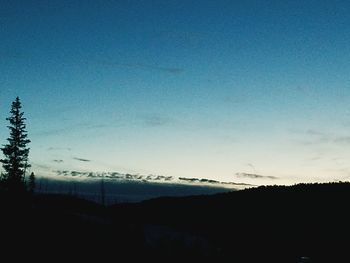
{"x":303,"y":223}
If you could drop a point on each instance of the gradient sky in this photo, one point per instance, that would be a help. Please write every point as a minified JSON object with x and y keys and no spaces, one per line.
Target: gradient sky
{"x":208,"y":89}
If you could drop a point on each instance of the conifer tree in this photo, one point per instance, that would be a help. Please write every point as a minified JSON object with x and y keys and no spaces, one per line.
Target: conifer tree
{"x":31,"y":183}
{"x":15,"y":161}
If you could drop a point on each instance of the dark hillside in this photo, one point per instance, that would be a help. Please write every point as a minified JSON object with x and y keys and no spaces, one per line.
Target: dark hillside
{"x":265,"y":224}
{"x":275,"y":222}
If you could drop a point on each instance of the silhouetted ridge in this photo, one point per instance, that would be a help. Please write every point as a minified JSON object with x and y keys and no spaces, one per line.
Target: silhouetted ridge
{"x":301,"y":223}
{"x":276,"y":222}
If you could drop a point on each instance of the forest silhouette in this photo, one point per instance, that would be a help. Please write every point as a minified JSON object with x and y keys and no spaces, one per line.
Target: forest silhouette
{"x":300,"y":223}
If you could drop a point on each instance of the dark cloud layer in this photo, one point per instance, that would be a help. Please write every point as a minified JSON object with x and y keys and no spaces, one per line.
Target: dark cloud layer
{"x":208,"y":181}
{"x":148,"y":178}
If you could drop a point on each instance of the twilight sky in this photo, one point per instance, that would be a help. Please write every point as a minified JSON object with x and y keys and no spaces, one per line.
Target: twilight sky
{"x":248,"y":91}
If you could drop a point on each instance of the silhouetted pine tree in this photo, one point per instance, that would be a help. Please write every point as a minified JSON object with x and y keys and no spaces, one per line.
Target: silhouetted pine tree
{"x":15,"y":152}
{"x":31,"y":183}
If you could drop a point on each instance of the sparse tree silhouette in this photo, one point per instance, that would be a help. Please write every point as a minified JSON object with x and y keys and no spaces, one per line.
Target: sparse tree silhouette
{"x":16,"y":152}
{"x":31,"y":183}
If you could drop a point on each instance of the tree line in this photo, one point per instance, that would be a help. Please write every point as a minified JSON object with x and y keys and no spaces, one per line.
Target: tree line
{"x":15,"y":161}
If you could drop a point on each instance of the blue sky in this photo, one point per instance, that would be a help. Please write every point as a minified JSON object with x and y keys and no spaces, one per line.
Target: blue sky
{"x":209,"y":89}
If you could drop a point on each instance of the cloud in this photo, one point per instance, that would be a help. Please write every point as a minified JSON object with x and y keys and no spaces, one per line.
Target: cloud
{"x":41,"y":166}
{"x":81,"y":159}
{"x":251,"y":166}
{"x":62,"y":172}
{"x":71,"y":173}
{"x":70,"y":129}
{"x":315,"y":158}
{"x":184,"y":35}
{"x":146,"y":120}
{"x":328,"y":137}
{"x":140,"y":66}
{"x":192,"y":180}
{"x":75,"y":173}
{"x":59,"y":149}
{"x":315,"y":133}
{"x":155,"y":120}
{"x":255,"y":176}
{"x":342,"y":140}
{"x":158,"y":178}
{"x":315,"y":137}
{"x":209,"y":181}
{"x":151,"y":178}
{"x":233,"y":100}
{"x":52,"y":132}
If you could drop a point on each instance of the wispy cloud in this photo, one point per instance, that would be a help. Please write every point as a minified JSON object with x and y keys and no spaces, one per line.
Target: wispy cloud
{"x":81,"y":159}
{"x":50,"y":132}
{"x":315,"y":132}
{"x":342,"y":140}
{"x":59,"y":149}
{"x":70,"y":129}
{"x":316,"y":137}
{"x":315,"y":158}
{"x":154,"y":120}
{"x":255,"y":176}
{"x":251,"y":166}
{"x":140,"y":66}
{"x":181,"y":35}
{"x":41,"y":166}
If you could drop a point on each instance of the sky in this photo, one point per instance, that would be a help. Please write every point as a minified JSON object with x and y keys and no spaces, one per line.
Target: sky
{"x":248,"y":91}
